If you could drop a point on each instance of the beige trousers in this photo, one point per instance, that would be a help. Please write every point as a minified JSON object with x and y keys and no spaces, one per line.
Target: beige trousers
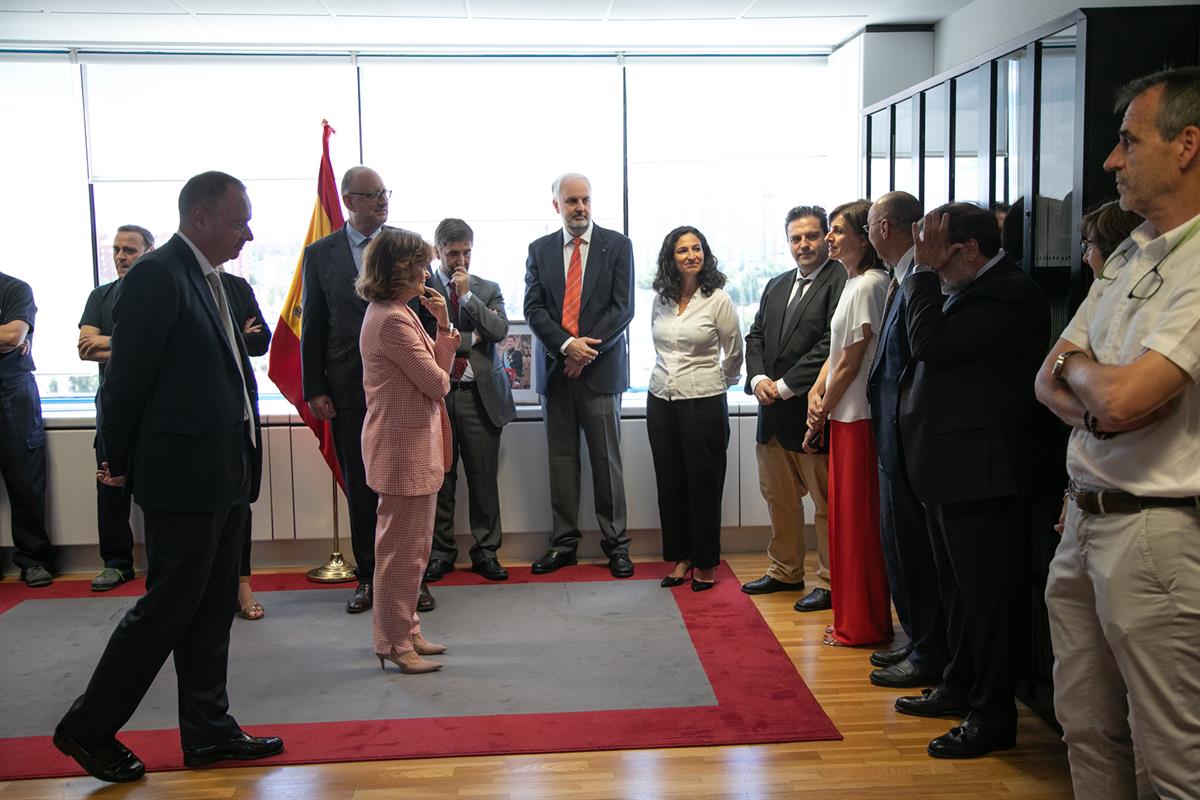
{"x":1124,"y":600}
{"x":785,"y":477}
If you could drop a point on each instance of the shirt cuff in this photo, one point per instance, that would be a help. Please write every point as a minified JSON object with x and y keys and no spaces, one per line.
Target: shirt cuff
{"x":756,"y":380}
{"x":784,"y":392}
{"x":565,"y":344}
{"x":463,"y":298}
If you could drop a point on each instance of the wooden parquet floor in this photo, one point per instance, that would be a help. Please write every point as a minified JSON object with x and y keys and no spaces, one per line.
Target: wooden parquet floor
{"x":882,"y":755}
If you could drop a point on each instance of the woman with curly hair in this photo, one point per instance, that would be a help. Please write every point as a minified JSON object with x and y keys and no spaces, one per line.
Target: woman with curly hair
{"x":687,"y":417}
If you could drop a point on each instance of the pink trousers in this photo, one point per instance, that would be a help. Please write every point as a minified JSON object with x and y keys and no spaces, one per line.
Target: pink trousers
{"x":403,"y":536}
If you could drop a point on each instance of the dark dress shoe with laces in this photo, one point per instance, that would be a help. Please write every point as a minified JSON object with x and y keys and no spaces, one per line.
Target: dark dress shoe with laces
{"x":768,"y":585}
{"x":552,"y":561}
{"x":816,"y":600}
{"x":935,"y":702}
{"x":903,"y":675}
{"x":243,"y":747}
{"x":437,"y":568}
{"x":490,"y":568}
{"x":425,"y":601}
{"x":361,"y":600}
{"x":885,"y":658}
{"x":111,"y":762}
{"x":971,"y":740}
{"x":620,"y":566}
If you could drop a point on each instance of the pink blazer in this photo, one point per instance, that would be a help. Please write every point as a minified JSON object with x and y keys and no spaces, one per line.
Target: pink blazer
{"x":406,"y":434}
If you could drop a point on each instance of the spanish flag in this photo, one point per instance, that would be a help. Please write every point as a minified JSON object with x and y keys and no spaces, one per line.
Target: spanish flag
{"x":283,"y":366}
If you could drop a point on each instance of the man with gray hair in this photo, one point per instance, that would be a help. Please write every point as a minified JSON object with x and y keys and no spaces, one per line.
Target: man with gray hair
{"x":479,"y":404}
{"x":1124,"y":586}
{"x":579,"y":301}
{"x":130,"y":243}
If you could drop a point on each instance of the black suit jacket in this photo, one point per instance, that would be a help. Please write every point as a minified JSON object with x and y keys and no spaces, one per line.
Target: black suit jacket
{"x":966,"y":403}
{"x":605,"y":309}
{"x":892,"y":359}
{"x":795,"y":354}
{"x":172,"y":396}
{"x":482,"y":322}
{"x":244,"y":305}
{"x":331,"y":318}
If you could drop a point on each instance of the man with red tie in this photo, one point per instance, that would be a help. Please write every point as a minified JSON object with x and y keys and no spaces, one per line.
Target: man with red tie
{"x":579,"y":301}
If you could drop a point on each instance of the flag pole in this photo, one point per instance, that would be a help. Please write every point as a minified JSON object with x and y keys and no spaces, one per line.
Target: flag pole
{"x":336,"y":569}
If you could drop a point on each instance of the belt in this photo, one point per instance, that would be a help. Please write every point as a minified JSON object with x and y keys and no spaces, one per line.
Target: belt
{"x":1125,"y":503}
{"x":462,"y":386}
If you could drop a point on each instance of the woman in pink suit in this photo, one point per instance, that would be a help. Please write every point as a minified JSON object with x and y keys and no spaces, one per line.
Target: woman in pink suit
{"x":406,"y":434}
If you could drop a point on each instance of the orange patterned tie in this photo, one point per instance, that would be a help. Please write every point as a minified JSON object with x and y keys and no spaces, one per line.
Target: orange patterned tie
{"x":571,"y":298}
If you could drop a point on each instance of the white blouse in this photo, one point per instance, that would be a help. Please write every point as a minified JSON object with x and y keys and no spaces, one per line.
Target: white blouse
{"x":861,"y":305}
{"x":687,"y":347}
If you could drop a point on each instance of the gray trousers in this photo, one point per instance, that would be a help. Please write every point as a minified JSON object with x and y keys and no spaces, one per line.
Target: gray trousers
{"x":1124,"y":601}
{"x":572,"y":408}
{"x":477,"y":443}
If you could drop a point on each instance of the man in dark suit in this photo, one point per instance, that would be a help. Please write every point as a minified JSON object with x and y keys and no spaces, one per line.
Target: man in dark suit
{"x":579,"y":301}
{"x":785,"y":348}
{"x":130,"y":243}
{"x":331,"y":366}
{"x":907,"y":552}
{"x":480,"y":404}
{"x":181,"y":432}
{"x":966,"y":413}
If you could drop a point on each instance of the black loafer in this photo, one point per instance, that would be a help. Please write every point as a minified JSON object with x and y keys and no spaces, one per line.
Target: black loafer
{"x":490,"y":568}
{"x":768,"y":585}
{"x":112,"y":761}
{"x":552,"y":561}
{"x":885,"y":658}
{"x":361,"y":600}
{"x":620,"y":566}
{"x":971,"y":740}
{"x":816,"y":600}
{"x":240,"y":748}
{"x":935,"y":702}
{"x":425,"y":601}
{"x":902,"y":676}
{"x":437,"y":568}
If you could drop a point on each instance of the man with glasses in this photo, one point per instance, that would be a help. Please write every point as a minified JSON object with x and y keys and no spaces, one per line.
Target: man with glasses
{"x":130,"y":243}
{"x":978,"y":327}
{"x":1124,"y":587}
{"x":331,"y":365}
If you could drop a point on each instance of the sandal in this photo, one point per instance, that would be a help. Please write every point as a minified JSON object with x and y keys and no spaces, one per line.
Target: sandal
{"x":252,"y":612}
{"x":831,"y":640}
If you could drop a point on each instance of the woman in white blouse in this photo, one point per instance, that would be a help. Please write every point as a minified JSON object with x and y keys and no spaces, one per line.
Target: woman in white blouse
{"x":861,"y":602}
{"x":687,"y":416}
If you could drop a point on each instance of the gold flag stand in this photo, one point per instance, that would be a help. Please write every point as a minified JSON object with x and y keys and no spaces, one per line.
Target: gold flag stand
{"x":336,"y":569}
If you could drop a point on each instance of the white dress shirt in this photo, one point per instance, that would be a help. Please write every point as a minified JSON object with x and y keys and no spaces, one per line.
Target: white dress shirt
{"x":687,"y":347}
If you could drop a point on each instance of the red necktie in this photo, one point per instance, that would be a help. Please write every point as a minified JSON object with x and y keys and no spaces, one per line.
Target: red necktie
{"x":573,"y":294}
{"x":460,"y":362}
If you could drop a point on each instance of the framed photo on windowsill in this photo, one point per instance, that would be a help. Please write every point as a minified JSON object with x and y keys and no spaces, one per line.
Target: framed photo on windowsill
{"x":516,"y":359}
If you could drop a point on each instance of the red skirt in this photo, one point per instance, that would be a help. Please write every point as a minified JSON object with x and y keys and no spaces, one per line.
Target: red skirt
{"x":862,"y":604}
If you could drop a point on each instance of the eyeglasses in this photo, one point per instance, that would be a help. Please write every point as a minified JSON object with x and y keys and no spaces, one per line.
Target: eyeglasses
{"x":382,"y":194}
{"x":867,"y":228}
{"x":1084,"y":244}
{"x":1147,"y":285}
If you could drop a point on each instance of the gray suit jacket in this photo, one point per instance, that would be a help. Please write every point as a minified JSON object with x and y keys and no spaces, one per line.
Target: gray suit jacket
{"x":483,"y":323}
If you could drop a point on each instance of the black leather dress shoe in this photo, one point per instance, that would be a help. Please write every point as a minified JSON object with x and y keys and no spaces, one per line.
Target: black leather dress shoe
{"x":816,"y":600}
{"x":362,"y":599}
{"x":971,"y":740}
{"x":437,"y":568}
{"x":240,"y":748}
{"x":425,"y":601}
{"x":490,"y":568}
{"x":885,"y":658}
{"x":902,"y":676}
{"x":552,"y":561}
{"x":620,"y":566}
{"x":935,"y":702}
{"x":768,"y":585}
{"x":111,"y":762}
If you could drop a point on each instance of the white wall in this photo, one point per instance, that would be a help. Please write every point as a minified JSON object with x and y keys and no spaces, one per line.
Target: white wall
{"x":894,"y":61}
{"x":983,"y":25}
{"x":844,"y":118}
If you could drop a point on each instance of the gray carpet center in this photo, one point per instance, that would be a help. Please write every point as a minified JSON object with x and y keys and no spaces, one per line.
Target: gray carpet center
{"x":513,"y":649}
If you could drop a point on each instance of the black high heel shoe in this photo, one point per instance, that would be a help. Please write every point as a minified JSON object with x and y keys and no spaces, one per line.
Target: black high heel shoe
{"x":670,"y":580}
{"x":702,"y":586}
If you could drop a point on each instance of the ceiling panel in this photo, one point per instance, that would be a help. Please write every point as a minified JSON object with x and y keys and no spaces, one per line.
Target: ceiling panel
{"x":289,"y":8}
{"x":33,"y":26}
{"x":665,"y":9}
{"x":95,"y":6}
{"x":259,"y":28}
{"x":452,"y":9}
{"x":146,"y":28}
{"x":539,"y":9}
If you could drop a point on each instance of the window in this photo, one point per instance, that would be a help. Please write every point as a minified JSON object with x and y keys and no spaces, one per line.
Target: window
{"x":970,"y":137}
{"x":937,"y":172}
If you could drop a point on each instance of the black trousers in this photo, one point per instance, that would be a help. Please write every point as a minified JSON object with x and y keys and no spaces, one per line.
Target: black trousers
{"x":244,"y":570}
{"x":23,"y":467}
{"x":977,"y":547}
{"x":477,"y":441}
{"x":688,"y":440}
{"x":362,"y":502}
{"x":112,"y":512}
{"x":912,"y":574}
{"x":187,"y":610}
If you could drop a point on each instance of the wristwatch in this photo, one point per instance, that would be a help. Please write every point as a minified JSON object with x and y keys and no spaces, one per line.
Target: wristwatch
{"x":1061,"y":361}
